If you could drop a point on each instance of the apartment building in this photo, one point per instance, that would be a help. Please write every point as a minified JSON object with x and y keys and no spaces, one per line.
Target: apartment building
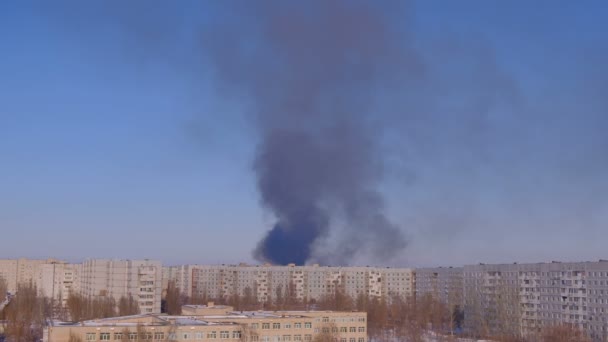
{"x":258,"y":326}
{"x":181,"y":275}
{"x":533,"y":296}
{"x":58,"y":280}
{"x":302,"y":282}
{"x":443,"y":283}
{"x":141,"y":279}
{"x":23,"y":271}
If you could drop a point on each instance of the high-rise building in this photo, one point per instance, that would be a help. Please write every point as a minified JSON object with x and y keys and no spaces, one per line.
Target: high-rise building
{"x":528,"y":297}
{"x":265,"y":282}
{"x":139,"y":279}
{"x":442,"y":283}
{"x":58,"y":280}
{"x":23,"y":271}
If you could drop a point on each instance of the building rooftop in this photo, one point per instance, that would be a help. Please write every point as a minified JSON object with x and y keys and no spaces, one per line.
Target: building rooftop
{"x":231,"y":318}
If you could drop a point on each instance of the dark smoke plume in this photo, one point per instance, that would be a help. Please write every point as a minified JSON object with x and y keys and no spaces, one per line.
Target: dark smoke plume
{"x":313,"y":73}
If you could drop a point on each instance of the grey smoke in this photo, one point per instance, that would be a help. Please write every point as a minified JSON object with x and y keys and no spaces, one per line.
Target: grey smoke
{"x":313,"y":71}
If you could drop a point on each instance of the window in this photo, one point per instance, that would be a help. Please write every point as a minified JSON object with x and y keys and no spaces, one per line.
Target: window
{"x":159,"y":335}
{"x":352,"y":339}
{"x":117,"y":336}
{"x":265,"y":325}
{"x":236,"y":334}
{"x":308,"y":325}
{"x":287,"y":338}
{"x":212,"y":334}
{"x":254,"y":325}
{"x":307,"y":337}
{"x":185,"y":336}
{"x":132,"y":336}
{"x":172,"y":336}
{"x":91,"y":336}
{"x":287,"y":325}
{"x":325,"y":319}
{"x":297,"y":325}
{"x":276,"y":325}
{"x":149,"y":335}
{"x":297,"y":337}
{"x":104,"y":336}
{"x":352,"y":329}
{"x":343,"y":339}
{"x":361,"y":329}
{"x":254,"y":338}
{"x":343,"y":329}
{"x":326,"y":330}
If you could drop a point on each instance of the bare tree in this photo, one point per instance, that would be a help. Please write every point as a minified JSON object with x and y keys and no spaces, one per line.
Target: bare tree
{"x":563,"y":333}
{"x":25,"y":315}
{"x":74,"y":337}
{"x":3,"y":289}
{"x":249,"y":300}
{"x":172,"y":299}
{"x":327,"y":333}
{"x":127,"y":306}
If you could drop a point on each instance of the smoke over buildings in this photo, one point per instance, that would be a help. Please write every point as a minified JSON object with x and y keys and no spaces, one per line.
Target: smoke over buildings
{"x":313,"y":72}
{"x":383,"y":131}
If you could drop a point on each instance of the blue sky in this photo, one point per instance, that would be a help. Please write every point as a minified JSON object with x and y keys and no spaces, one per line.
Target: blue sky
{"x":115,"y":141}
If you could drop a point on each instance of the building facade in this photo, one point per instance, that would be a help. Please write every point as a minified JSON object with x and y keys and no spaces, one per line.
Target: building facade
{"x":304,"y":283}
{"x":139,"y":279}
{"x":442,"y":283}
{"x":58,"y":280}
{"x":23,"y":271}
{"x":534,"y":296}
{"x":258,"y":326}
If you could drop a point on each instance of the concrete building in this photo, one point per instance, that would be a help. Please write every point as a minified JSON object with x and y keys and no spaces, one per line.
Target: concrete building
{"x":23,"y":271}
{"x":181,"y":275}
{"x":58,"y":280}
{"x":305,"y":283}
{"x":533,"y":296}
{"x":140,"y":279}
{"x":258,"y":326}
{"x":443,"y":283}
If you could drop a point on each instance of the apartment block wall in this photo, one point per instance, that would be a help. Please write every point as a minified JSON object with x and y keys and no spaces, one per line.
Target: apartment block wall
{"x":181,"y":275}
{"x":302,"y":282}
{"x":445,"y":284}
{"x":24,"y":271}
{"x":58,"y":280}
{"x":141,"y":279}
{"x":534,"y":296}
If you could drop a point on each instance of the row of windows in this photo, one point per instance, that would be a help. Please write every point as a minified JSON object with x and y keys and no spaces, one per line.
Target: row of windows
{"x":307,"y":325}
{"x":297,"y":338}
{"x":118,"y":336}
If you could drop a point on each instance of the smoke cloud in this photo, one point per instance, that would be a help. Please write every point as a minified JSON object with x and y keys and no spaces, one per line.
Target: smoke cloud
{"x":313,"y":72}
{"x":358,"y":114}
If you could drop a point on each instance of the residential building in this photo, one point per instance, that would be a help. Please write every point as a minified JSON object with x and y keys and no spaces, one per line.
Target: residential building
{"x":23,"y":271}
{"x":140,"y":279}
{"x":442,"y":283}
{"x":305,"y":283}
{"x":58,"y":280}
{"x":529,"y":297}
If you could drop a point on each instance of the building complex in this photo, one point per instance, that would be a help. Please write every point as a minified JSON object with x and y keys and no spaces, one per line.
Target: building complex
{"x":304,"y":283}
{"x":254,"y":326}
{"x":522,"y":298}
